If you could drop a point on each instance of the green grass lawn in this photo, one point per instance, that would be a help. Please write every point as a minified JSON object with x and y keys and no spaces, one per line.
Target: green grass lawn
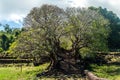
{"x":15,"y":73}
{"x":111,"y":72}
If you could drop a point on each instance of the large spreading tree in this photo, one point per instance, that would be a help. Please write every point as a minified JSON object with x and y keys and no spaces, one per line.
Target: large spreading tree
{"x":65,"y":36}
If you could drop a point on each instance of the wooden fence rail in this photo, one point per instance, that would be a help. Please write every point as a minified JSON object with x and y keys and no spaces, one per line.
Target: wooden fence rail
{"x":4,"y":61}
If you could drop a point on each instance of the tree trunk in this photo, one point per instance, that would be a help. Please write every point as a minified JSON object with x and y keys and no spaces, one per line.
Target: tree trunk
{"x":65,"y":62}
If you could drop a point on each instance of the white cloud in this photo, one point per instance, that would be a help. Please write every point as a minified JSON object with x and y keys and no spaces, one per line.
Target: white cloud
{"x":16,"y":18}
{"x":10,"y":9}
{"x":79,"y":3}
{"x":15,"y":10}
{"x":111,"y":5}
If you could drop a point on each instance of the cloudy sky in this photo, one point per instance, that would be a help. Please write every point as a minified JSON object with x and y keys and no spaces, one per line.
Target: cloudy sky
{"x":12,"y":12}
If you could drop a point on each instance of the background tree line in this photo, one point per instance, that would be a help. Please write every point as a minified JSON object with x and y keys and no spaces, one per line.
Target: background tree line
{"x":7,"y":37}
{"x":114,"y":23}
